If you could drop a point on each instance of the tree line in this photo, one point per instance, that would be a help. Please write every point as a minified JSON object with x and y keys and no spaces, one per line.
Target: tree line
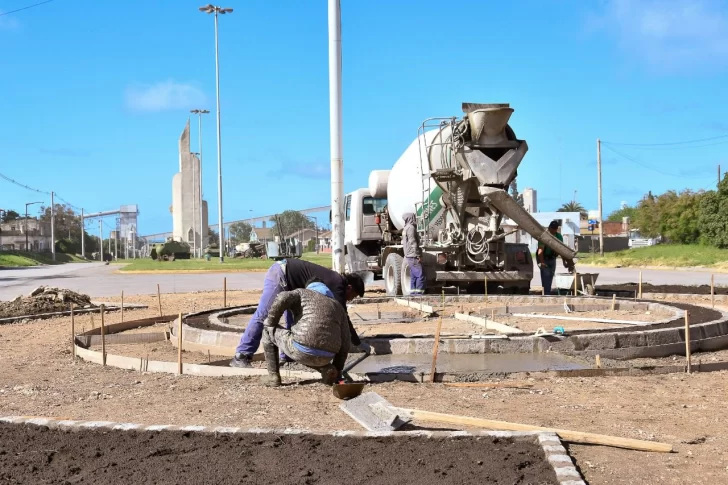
{"x":685,"y":217}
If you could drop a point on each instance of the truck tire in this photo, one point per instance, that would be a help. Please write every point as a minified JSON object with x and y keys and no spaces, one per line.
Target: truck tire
{"x":393,"y":274}
{"x":406,"y":278}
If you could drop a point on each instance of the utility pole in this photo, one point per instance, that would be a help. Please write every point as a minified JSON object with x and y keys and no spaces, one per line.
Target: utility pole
{"x":218,"y":11}
{"x":26,"y":223}
{"x":101,"y":241}
{"x":335,"y":128}
{"x":53,"y":226}
{"x":199,"y":113}
{"x":83,"y":236}
{"x":599,"y":194}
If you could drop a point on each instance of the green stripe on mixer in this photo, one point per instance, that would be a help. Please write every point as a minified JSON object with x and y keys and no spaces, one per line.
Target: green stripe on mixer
{"x":432,"y":207}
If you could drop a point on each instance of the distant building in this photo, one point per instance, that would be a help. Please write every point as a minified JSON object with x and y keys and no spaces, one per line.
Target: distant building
{"x":13,"y":234}
{"x":186,"y":198}
{"x":304,"y":235}
{"x":325,"y":241}
{"x":529,"y":200}
{"x":261,"y":234}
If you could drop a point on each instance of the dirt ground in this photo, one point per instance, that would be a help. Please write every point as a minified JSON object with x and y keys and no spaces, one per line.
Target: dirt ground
{"x":33,"y":454}
{"x":46,"y":299}
{"x":39,"y":378}
{"x":678,"y":289}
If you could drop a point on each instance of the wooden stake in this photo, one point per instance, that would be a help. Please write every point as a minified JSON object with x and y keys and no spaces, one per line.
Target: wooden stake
{"x":159,"y":299}
{"x":687,"y":341}
{"x":103,"y":337}
{"x":543,"y":291}
{"x":598,"y":360}
{"x":436,"y":347}
{"x":92,"y":321}
{"x":640,"y":286}
{"x":712,"y":290}
{"x":224,"y":292}
{"x":73,"y":334}
{"x":486,"y":287}
{"x":122,"y":306}
{"x":576,"y":280}
{"x":179,"y":345}
{"x":614,"y":301}
{"x":566,"y":435}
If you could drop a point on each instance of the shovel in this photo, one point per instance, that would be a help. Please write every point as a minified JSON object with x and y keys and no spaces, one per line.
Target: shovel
{"x":346,"y":388}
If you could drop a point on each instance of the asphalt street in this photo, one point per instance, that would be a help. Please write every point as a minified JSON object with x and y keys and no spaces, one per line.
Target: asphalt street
{"x":98,"y":280}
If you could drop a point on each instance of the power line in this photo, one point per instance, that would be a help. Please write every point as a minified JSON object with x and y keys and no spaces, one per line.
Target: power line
{"x":25,"y":8}
{"x":44,"y":192}
{"x":700,"y":140}
{"x":641,"y":164}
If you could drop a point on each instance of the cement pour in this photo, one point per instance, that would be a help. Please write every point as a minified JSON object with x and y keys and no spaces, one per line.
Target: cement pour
{"x":464,"y":363}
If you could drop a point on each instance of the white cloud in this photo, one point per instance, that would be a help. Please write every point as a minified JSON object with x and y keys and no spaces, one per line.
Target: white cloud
{"x":669,"y":35}
{"x":164,"y":96}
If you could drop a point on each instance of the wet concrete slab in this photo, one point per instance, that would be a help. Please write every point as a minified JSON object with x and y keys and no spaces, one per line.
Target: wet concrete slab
{"x":464,"y":363}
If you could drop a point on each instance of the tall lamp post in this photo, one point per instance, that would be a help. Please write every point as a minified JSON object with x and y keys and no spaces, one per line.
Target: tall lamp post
{"x":194,"y":201}
{"x":209,"y":9}
{"x":199,"y":113}
{"x":26,"y":221}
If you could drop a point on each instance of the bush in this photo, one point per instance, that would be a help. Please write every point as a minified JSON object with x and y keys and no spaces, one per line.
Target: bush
{"x":67,"y":246}
{"x":153,"y":253}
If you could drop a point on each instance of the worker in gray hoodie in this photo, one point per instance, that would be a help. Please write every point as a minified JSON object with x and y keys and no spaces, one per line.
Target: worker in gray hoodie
{"x":413,"y":254}
{"x":319,"y":334}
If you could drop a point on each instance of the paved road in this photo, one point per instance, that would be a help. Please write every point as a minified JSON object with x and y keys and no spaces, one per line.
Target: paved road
{"x":99,"y":280}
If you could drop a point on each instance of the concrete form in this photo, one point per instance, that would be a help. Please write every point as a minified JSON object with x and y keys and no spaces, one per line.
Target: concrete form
{"x":552,"y":446}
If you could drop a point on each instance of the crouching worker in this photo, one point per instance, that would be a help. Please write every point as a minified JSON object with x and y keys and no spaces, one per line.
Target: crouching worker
{"x":319,"y":333}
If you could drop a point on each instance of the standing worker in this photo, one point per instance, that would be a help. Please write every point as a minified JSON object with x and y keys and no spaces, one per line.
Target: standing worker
{"x":413,"y":254}
{"x":288,"y":275}
{"x":546,"y":258}
{"x":320,"y":333}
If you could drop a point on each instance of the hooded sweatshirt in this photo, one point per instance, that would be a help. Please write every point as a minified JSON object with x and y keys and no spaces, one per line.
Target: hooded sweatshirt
{"x":410,"y":237}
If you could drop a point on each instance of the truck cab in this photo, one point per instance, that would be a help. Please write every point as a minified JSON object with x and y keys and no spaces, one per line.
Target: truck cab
{"x":364,"y":228}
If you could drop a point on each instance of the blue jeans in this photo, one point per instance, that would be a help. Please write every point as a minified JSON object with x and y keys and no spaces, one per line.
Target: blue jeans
{"x":417,"y":284}
{"x":275,"y":282}
{"x":547,"y":275}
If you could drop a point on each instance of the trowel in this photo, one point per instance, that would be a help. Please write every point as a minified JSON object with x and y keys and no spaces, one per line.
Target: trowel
{"x":346,"y":388}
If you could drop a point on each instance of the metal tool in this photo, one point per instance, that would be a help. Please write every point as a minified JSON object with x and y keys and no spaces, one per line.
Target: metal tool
{"x":346,"y":388}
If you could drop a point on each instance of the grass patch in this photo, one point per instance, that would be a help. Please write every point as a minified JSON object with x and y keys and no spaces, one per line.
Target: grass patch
{"x":19,"y":259}
{"x":214,"y":265}
{"x":668,"y":255}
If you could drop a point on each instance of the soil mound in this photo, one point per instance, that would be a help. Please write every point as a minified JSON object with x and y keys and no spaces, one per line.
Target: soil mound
{"x":44,"y":299}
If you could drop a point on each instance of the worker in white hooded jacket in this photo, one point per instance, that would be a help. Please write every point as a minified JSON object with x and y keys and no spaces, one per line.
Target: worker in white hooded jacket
{"x":413,"y":254}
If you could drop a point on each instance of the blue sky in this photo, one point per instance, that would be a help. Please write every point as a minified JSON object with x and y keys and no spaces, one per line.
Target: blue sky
{"x":95,"y":95}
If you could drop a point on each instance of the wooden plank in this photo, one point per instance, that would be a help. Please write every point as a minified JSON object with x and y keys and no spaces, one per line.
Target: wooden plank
{"x":494,"y":385}
{"x":435,"y":348}
{"x":424,"y":308}
{"x":687,"y":341}
{"x":489,"y":324}
{"x":581,"y":319}
{"x":566,"y":435}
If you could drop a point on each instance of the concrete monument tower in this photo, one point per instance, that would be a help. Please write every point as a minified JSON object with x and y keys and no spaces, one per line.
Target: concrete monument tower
{"x":186,"y":198}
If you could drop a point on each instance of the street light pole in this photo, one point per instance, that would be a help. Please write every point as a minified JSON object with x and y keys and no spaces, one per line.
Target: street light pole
{"x":199,"y":113}
{"x":218,"y":11}
{"x":53,"y":226}
{"x":26,"y":222}
{"x":335,"y":128}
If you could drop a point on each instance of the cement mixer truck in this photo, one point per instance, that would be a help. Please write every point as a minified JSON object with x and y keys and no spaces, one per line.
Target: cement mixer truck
{"x":454,"y":177}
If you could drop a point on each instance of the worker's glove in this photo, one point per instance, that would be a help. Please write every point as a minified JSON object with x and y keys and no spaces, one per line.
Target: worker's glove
{"x":364,"y":347}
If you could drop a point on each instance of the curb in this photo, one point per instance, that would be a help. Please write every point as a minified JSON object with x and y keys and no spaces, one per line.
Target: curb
{"x":554,"y":451}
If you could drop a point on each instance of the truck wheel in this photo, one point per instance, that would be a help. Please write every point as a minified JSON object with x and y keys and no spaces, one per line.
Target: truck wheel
{"x":406,"y":278}
{"x":393,"y":274}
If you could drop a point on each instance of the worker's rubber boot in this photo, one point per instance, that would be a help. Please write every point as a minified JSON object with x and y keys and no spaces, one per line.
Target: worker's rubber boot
{"x":273,"y":379}
{"x":329,"y":374}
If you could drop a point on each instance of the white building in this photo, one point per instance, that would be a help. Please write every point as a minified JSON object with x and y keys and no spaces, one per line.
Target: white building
{"x":13,"y":235}
{"x":186,"y":197}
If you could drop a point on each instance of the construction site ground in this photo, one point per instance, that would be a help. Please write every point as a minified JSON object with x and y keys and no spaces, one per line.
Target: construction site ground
{"x":39,"y":378}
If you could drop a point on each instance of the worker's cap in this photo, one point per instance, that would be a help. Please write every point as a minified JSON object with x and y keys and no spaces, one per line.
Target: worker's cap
{"x":554,"y":225}
{"x":356,"y":283}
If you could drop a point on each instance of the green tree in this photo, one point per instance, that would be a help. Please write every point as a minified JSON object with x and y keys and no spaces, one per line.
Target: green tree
{"x":291,"y":221}
{"x":713,"y":216}
{"x":10,"y":215}
{"x":672,"y":215}
{"x":67,"y":222}
{"x":212,"y":237}
{"x":240,"y":232}
{"x":616,"y":216}
{"x":518,"y":197}
{"x":573,"y":206}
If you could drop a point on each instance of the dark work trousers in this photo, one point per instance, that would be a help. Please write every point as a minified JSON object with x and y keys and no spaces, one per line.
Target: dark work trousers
{"x":417,"y":284}
{"x":547,"y":275}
